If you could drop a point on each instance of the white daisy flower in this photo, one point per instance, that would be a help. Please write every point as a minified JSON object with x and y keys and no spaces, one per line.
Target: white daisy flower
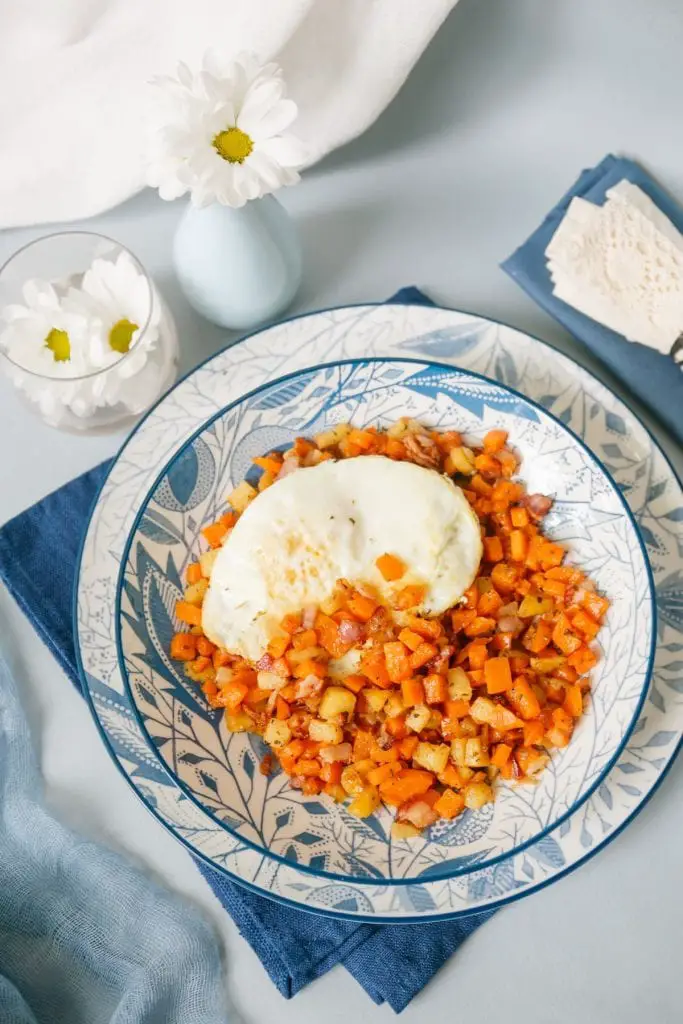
{"x":225,"y":138}
{"x":42,"y":336}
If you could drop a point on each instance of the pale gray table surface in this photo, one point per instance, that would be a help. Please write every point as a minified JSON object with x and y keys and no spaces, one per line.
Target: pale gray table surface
{"x":512,"y":99}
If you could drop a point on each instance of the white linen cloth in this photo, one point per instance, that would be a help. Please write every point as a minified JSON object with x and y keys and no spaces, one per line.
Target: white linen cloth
{"x":74,"y":74}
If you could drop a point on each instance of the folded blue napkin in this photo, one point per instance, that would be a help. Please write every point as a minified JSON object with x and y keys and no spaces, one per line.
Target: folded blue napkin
{"x":38,"y":553}
{"x":653,"y":377}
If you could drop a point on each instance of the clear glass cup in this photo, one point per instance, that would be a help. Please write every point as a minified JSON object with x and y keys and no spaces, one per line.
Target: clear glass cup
{"x":84,"y":334}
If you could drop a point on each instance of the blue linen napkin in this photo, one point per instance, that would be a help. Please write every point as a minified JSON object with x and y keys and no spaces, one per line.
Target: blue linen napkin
{"x":653,"y":377}
{"x":85,"y":937}
{"x":38,"y":553}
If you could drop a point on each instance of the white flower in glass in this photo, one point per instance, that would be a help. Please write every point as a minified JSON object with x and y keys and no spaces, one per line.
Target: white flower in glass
{"x":43,"y":337}
{"x":225,"y":138}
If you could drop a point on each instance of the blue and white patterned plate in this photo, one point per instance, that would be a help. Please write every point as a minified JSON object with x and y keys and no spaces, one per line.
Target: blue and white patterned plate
{"x":605,"y":424}
{"x":219,"y":770}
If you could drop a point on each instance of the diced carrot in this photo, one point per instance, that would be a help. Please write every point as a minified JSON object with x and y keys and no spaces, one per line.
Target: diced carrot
{"x":534,"y":732}
{"x":495,"y":440}
{"x":373,"y":665}
{"x":504,"y":577}
{"x":407,"y":745}
{"x":456,"y":709}
{"x":477,"y":654}
{"x":583,"y":660}
{"x":396,"y":727}
{"x":397,"y":661}
{"x":355,"y":683}
{"x":291,"y":623}
{"x":277,"y":645}
{"x":413,"y":692}
{"x":519,"y":545}
{"x":188,"y":613}
{"x":488,"y":465}
{"x":480,"y":486}
{"x":502,"y":641}
{"x":573,"y":701}
{"x":376,"y":776}
{"x":489,"y":602}
{"x":462,"y":617}
{"x":193,"y":573}
{"x":331,"y":772}
{"x":538,"y":636}
{"x":480,"y":626}
{"x":183,"y":647}
{"x":563,"y":637}
{"x":451,"y":777}
{"x":518,"y":662}
{"x":205,"y":647}
{"x":410,"y":596}
{"x":595,"y":605}
{"x":310,"y":667}
{"x":282,"y":708}
{"x":408,"y":783}
{"x":430,"y":629}
{"x":424,"y":653}
{"x":551,"y":555}
{"x":548,"y":585}
{"x":391,"y":567}
{"x":268,"y":463}
{"x":214,"y":534}
{"x":220,"y":658}
{"x":501,"y":754}
{"x":435,"y":688}
{"x":201,"y":663}
{"x":306,"y":638}
{"x":519,"y":517}
{"x":508,"y":462}
{"x":523,"y":699}
{"x":471,"y":596}
{"x":493,"y":549}
{"x":363,"y":742}
{"x":233,"y":694}
{"x":497,"y":675}
{"x":307,"y":767}
{"x":583,"y":622}
{"x":449,"y":804}
{"x":411,"y":639}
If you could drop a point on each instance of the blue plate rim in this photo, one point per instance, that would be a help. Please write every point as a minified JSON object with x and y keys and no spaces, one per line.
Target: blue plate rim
{"x":333,"y":876}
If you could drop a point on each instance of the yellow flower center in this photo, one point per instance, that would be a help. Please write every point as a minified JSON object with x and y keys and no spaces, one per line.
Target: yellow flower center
{"x":121,"y":335}
{"x":233,"y":145}
{"x":58,"y":343}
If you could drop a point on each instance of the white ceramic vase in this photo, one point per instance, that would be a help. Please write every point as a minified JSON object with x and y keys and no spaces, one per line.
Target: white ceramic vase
{"x":238,"y":267}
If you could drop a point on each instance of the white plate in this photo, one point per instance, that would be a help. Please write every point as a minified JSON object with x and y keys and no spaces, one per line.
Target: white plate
{"x":572,"y":394}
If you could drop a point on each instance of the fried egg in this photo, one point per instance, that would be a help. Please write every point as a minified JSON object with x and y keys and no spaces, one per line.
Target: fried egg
{"x":333,"y":521}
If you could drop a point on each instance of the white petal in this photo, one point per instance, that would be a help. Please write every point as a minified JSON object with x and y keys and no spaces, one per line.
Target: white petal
{"x":267,"y":169}
{"x":285,"y":150}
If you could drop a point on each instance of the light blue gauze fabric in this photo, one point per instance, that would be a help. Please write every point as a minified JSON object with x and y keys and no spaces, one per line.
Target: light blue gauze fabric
{"x":85,"y":938}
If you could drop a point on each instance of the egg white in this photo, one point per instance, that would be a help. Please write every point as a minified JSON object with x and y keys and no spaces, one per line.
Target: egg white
{"x":332,"y":521}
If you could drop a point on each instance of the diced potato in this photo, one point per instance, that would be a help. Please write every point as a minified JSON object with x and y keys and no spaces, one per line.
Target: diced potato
{"x":347,"y":665}
{"x":417,"y":717}
{"x":194,"y":594}
{"x":242,"y":496}
{"x":432,"y":756}
{"x":533,"y":605}
{"x":434,"y":719}
{"x":459,"y":686}
{"x":404,"y":426}
{"x":365,"y":803}
{"x":460,"y":460}
{"x":364,"y":766}
{"x":207,"y":560}
{"x":277,"y":734}
{"x":477,"y":794}
{"x":394,"y":705}
{"x":305,"y":654}
{"x":328,"y":438}
{"x":404,"y":830}
{"x":546,"y":666}
{"x":336,"y":700}
{"x":469,"y":727}
{"x":325,"y":732}
{"x":239,"y":722}
{"x":352,"y":780}
{"x":459,"y":752}
{"x":475,"y":754}
{"x":269,"y":680}
{"x":375,"y":699}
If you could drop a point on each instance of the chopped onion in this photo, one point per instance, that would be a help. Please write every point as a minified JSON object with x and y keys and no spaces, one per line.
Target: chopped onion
{"x":538,"y":504}
{"x":288,"y":466}
{"x":418,"y":813}
{"x":309,"y":616}
{"x":308,"y":687}
{"x":508,"y":609}
{"x":350,"y":632}
{"x":510,"y":624}
{"x":223,"y":676}
{"x":338,"y":752}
